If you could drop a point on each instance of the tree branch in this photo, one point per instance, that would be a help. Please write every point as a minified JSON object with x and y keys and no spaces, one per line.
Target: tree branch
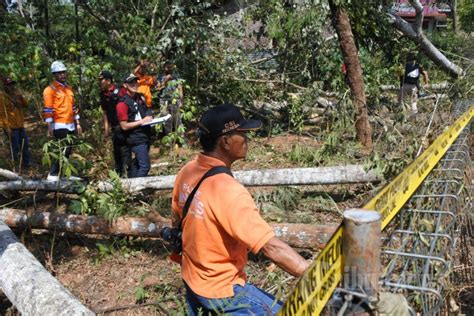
{"x":417,"y":26}
{"x":415,"y":33}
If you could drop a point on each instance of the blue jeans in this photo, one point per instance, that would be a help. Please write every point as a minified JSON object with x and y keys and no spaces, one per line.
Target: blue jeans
{"x":19,"y":142}
{"x":141,"y":166}
{"x":247,"y":300}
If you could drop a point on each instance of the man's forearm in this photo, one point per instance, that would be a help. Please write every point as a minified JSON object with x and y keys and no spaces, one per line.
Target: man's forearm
{"x":106,"y":121}
{"x":425,"y":77}
{"x":285,"y":257}
{"x":131,"y":125}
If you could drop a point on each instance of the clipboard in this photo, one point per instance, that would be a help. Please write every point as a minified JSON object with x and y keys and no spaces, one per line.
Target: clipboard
{"x":158,"y":120}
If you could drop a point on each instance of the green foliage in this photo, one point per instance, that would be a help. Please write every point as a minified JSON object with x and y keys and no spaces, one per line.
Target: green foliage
{"x":296,"y":32}
{"x":141,"y":294}
{"x":120,"y":245}
{"x":391,"y":165}
{"x":55,"y":150}
{"x":296,"y":116}
{"x":302,"y":154}
{"x":466,"y":15}
{"x":109,"y":205}
{"x":103,"y":251}
{"x":284,"y":198}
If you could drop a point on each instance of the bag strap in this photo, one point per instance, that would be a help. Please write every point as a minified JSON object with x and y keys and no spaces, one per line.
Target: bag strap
{"x":211,"y":172}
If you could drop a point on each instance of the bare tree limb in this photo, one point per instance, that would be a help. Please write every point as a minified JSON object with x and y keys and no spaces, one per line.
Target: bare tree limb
{"x":436,"y":86}
{"x":417,"y":26}
{"x":270,"y":81}
{"x":265,"y":177}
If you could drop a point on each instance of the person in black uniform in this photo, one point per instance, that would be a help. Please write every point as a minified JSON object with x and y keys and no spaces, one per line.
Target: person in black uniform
{"x":410,"y":84}
{"x":133,"y":114}
{"x":110,"y":95}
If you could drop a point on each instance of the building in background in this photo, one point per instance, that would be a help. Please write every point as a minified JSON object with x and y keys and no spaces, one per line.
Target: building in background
{"x":435,"y":14}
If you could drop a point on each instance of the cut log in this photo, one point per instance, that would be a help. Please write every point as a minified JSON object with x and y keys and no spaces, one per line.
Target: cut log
{"x":296,"y":235}
{"x":43,"y":185}
{"x":10,"y":175}
{"x":27,"y":284}
{"x":269,"y":177}
{"x":436,"y":86}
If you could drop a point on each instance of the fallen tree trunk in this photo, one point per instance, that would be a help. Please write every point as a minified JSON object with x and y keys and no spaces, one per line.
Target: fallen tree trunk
{"x":27,"y":284}
{"x":436,"y":86}
{"x":42,"y":185}
{"x":10,"y":175}
{"x":268,"y":177}
{"x":297,"y":235}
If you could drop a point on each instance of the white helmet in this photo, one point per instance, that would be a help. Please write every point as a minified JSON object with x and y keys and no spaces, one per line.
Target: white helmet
{"x":57,"y":66}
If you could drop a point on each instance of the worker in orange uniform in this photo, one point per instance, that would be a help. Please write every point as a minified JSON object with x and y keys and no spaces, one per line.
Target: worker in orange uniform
{"x":12,"y":117}
{"x":145,"y":81}
{"x":60,"y":112}
{"x":220,"y":224}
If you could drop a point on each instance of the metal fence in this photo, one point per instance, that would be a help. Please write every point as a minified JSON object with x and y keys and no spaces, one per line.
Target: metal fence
{"x":432,"y":233}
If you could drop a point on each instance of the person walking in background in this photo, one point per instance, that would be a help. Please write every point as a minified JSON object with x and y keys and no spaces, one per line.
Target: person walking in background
{"x":410,"y":84}
{"x":145,"y":81}
{"x":223,"y":223}
{"x":110,"y":95}
{"x":132,"y":113}
{"x":12,"y":117}
{"x":170,"y":92}
{"x":60,"y":113}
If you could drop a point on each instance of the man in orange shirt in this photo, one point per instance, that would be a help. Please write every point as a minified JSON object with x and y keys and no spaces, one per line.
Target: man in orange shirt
{"x":60,"y":112}
{"x":223,"y":223}
{"x":12,"y":119}
{"x":145,"y":81}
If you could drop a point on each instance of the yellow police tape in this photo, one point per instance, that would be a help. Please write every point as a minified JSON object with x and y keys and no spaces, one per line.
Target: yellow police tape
{"x":321,"y":279}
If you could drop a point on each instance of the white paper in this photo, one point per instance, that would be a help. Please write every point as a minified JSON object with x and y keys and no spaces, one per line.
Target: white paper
{"x":158,"y":120}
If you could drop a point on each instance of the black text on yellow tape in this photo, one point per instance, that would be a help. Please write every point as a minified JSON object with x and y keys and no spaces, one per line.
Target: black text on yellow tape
{"x":322,"y":277}
{"x":319,"y":281}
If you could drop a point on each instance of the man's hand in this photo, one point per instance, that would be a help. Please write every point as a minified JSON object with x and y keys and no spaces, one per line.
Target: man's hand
{"x":146,"y":119}
{"x":79,"y":129}
{"x":50,"y":130}
{"x":106,"y":132}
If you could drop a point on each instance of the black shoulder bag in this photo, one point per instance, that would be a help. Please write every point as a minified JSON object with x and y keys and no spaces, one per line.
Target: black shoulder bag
{"x":174,"y":235}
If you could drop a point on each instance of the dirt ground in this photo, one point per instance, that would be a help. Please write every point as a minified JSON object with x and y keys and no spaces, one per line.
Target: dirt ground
{"x":133,"y":276}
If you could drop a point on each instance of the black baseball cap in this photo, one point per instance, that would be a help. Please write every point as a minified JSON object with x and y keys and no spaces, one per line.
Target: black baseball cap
{"x":224,"y":119}
{"x":130,"y":78}
{"x":105,"y":74}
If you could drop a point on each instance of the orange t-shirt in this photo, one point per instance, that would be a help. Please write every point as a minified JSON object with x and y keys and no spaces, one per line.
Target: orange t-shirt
{"x":144,"y":87}
{"x":222,"y":224}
